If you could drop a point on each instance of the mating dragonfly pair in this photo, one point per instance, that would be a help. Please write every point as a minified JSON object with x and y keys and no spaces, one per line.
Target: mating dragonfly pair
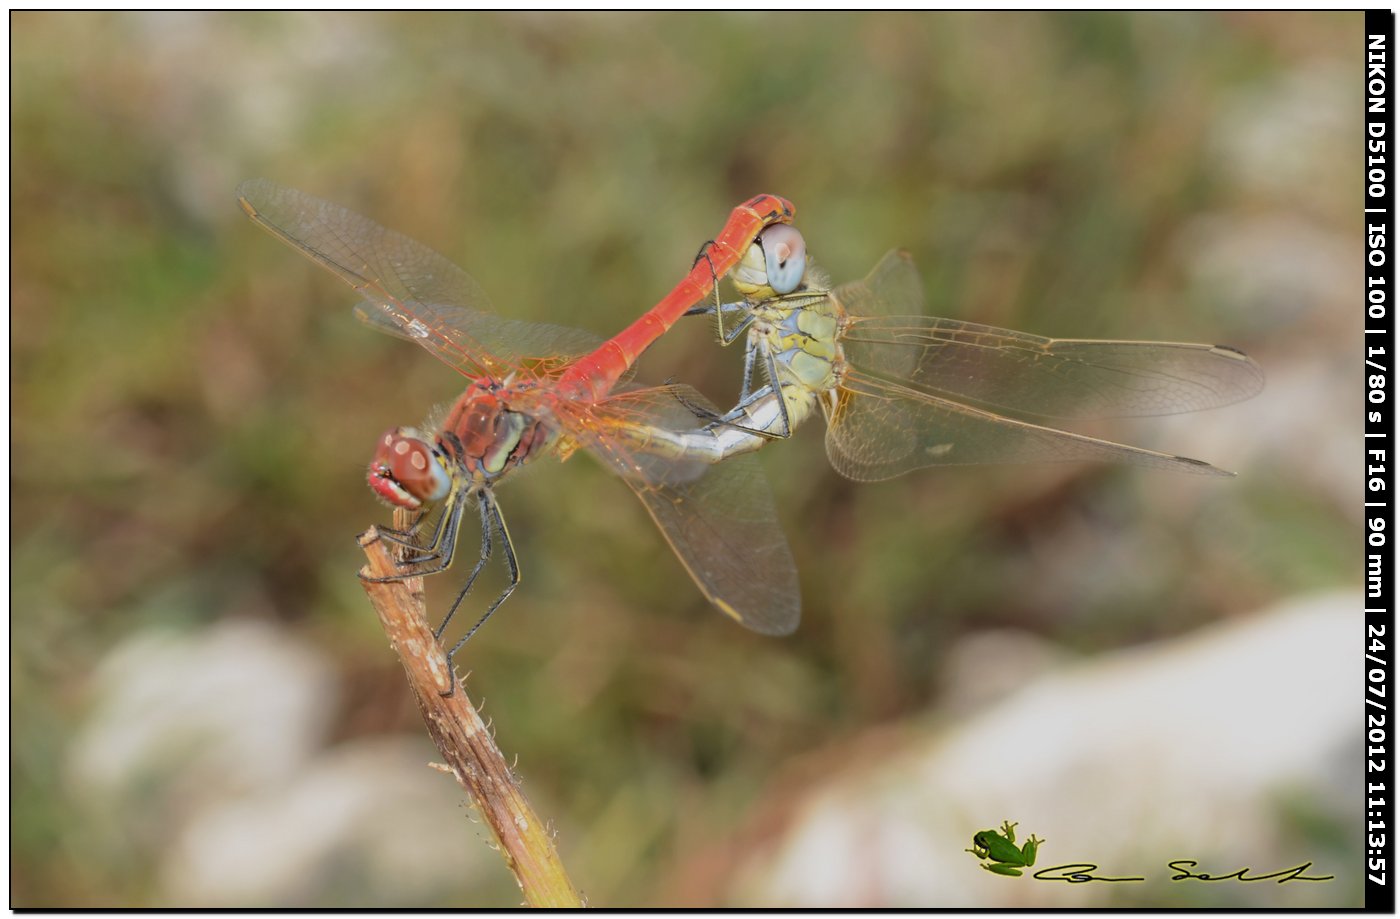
{"x":899,"y":392}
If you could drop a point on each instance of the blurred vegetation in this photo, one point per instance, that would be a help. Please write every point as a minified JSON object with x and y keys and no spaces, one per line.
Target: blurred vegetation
{"x":192,"y":404}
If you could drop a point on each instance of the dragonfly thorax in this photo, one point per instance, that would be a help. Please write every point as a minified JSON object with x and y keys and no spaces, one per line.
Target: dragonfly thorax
{"x":408,"y":470}
{"x":488,"y":437}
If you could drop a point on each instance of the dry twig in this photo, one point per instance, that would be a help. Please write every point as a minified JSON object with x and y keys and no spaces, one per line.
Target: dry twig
{"x":465,"y":743}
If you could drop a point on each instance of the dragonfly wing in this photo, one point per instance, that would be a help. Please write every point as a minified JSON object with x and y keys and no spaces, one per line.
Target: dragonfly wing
{"x":409,"y":289}
{"x":551,"y":347}
{"x":893,"y":286}
{"x":1056,"y":378}
{"x":719,"y":518}
{"x":881,"y":430}
{"x":1018,"y":372}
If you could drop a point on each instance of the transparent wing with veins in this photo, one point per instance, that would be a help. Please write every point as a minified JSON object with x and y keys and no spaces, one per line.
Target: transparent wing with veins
{"x":411,"y":291}
{"x":922,"y":391}
{"x":719,"y":518}
{"x":1019,"y":372}
{"x":881,"y":429}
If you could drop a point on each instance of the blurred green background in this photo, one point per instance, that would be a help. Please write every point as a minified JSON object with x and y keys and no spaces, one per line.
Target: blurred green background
{"x":193,"y":405}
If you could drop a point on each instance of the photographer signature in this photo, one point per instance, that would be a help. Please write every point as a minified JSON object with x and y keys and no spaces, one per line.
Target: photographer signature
{"x":1080,"y":873}
{"x":999,"y":854}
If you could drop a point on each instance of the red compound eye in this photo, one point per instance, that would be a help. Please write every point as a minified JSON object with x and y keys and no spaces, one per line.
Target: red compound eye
{"x":406,"y":471}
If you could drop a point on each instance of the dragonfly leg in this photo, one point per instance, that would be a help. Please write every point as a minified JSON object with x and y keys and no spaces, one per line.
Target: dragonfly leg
{"x":770,"y":366}
{"x":490,"y":513}
{"x":746,"y":390}
{"x":699,"y":411}
{"x":714,"y":284}
{"x":406,"y":537}
{"x":439,"y":551}
{"x":746,"y":398}
{"x":708,"y":308}
{"x":733,"y":418}
{"x":725,"y":336}
{"x":485,"y":504}
{"x":428,"y":550}
{"x":749,"y":396}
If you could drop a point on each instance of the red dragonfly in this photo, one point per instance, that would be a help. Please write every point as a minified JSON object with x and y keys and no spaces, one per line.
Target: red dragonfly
{"x":537,"y":388}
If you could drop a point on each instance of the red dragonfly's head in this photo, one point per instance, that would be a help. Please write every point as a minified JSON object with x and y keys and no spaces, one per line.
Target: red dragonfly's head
{"x":407,"y":470}
{"x":775,"y":262}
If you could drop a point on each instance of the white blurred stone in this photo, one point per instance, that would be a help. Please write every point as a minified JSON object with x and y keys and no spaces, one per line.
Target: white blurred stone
{"x":237,"y":707}
{"x":368,"y":823}
{"x":206,"y":752}
{"x":1285,"y":136}
{"x":1274,"y":270}
{"x":1176,"y":750}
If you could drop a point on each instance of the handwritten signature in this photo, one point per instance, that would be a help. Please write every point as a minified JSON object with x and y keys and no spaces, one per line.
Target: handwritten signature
{"x":1081,"y":873}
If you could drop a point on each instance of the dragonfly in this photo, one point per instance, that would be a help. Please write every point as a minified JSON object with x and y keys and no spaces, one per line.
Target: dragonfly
{"x":902,"y":391}
{"x":537,"y":389}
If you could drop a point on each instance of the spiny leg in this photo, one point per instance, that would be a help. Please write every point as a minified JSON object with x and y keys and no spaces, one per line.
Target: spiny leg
{"x":770,"y":365}
{"x":747,"y":396}
{"x":725,"y":336}
{"x":748,"y":399}
{"x":750,"y":349}
{"x":714,"y":286}
{"x":441,"y":549}
{"x":712,"y":418}
{"x":432,"y":548}
{"x":485,"y":504}
{"x":512,"y":566}
{"x":407,"y":537}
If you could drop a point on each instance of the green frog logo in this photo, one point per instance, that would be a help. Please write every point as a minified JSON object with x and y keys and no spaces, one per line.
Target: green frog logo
{"x":999,"y":849}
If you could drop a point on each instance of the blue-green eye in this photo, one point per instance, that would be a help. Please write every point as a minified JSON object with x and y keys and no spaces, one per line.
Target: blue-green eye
{"x":785,"y":257}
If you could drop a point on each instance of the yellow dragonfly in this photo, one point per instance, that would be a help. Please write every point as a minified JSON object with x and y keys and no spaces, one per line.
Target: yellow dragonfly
{"x":903,"y":391}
